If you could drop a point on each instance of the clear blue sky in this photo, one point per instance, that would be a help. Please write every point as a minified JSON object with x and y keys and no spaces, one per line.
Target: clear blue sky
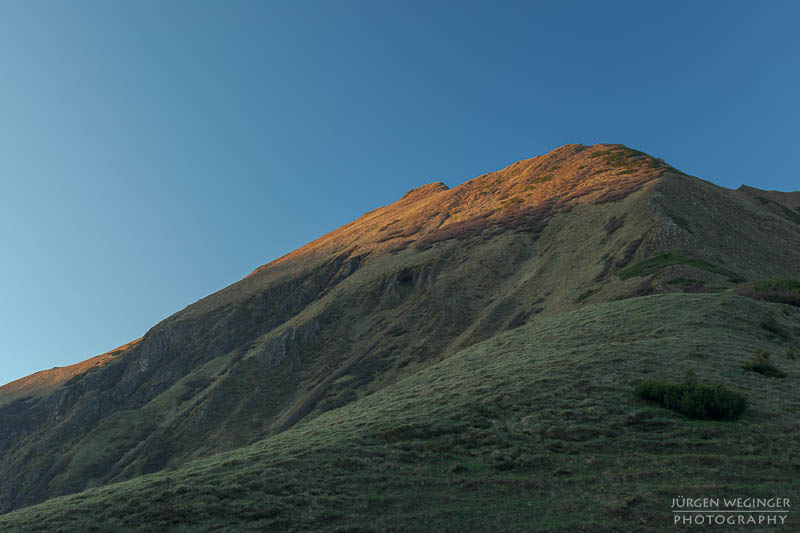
{"x":154,"y":152}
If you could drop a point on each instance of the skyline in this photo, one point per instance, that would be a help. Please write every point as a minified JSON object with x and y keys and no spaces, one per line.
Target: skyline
{"x":156,"y":154}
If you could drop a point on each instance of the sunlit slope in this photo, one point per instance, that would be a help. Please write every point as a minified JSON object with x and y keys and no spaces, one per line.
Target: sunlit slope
{"x":45,"y":382}
{"x":534,"y":429}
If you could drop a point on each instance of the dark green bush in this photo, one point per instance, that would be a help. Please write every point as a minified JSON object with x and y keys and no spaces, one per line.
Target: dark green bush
{"x":771,"y":325}
{"x":762,"y":365}
{"x":783,"y":291}
{"x":765,"y":369}
{"x":662,"y":261}
{"x":714,"y":401}
{"x":780,"y":284}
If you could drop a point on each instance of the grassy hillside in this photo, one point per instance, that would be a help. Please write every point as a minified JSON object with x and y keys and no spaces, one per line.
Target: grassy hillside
{"x":536,"y":428}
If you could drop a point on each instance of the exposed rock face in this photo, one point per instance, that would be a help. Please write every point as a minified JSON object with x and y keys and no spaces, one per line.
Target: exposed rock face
{"x":376,"y":300}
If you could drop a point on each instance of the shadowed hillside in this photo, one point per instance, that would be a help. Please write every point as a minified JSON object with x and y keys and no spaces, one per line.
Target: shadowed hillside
{"x":383,"y":298}
{"x":536,"y":429}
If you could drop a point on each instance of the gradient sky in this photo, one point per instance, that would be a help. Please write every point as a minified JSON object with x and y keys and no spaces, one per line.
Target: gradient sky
{"x":154,"y":152}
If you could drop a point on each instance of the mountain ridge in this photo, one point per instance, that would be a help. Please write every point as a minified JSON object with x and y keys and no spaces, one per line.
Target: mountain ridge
{"x":45,"y":381}
{"x":386,"y":296}
{"x":536,"y":180}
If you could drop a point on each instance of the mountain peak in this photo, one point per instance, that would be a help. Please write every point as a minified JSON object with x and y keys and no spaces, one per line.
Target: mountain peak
{"x":559,"y":180}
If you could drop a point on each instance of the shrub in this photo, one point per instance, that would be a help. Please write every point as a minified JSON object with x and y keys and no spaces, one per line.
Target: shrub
{"x":794,"y":216}
{"x":607,"y":262}
{"x":762,"y":365}
{"x":682,"y":223}
{"x":643,"y":289}
{"x":614,"y":224}
{"x":630,"y":251}
{"x":623,"y":189}
{"x":714,"y":402}
{"x":787,"y":213}
{"x":399,"y":233}
{"x":583,"y":190}
{"x":784,"y":291}
{"x":622,"y":156}
{"x":541,"y":179}
{"x":457,"y":230}
{"x":780,"y":284}
{"x":771,"y":325}
{"x":399,"y":247}
{"x":518,"y":320}
{"x":511,"y":202}
{"x":662,"y":261}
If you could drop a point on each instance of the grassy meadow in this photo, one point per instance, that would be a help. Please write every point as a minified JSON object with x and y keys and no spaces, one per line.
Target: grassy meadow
{"x":535,"y":429}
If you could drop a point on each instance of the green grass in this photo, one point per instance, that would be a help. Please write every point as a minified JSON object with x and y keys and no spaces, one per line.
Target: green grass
{"x":662,"y":261}
{"x":537,"y":425}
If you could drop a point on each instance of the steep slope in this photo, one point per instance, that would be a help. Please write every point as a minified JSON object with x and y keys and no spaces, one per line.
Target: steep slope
{"x":384,"y":297}
{"x":536,"y":429}
{"x":45,"y":382}
{"x":783,"y":204}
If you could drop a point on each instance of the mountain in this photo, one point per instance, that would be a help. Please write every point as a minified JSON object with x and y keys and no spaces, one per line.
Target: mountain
{"x":390,"y":337}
